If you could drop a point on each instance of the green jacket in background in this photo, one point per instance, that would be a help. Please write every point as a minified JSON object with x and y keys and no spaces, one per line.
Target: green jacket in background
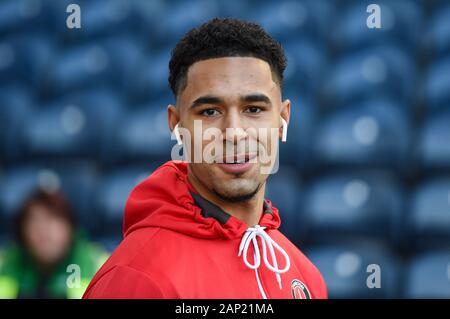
{"x":20,"y":278}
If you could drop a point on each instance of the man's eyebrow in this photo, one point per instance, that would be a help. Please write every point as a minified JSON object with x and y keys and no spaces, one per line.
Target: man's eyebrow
{"x":256,"y":97}
{"x":207,"y":99}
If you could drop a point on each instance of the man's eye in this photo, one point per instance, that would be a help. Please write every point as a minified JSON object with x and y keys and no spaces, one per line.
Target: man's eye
{"x":209,"y":112}
{"x":254,"y":109}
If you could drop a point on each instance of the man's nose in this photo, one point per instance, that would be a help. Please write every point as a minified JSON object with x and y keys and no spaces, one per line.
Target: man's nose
{"x":234,"y":130}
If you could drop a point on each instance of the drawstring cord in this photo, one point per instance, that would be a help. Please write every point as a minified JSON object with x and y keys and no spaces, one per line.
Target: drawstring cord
{"x":250,"y":236}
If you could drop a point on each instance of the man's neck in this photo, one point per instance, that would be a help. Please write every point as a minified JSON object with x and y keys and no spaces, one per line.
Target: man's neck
{"x":247,"y":211}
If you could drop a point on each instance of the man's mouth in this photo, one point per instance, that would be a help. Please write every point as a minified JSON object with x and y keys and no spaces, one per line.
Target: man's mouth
{"x":239,"y":158}
{"x":237,"y":164}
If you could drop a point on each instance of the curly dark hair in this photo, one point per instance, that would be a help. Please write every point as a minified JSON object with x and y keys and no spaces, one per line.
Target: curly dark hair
{"x":224,"y":37}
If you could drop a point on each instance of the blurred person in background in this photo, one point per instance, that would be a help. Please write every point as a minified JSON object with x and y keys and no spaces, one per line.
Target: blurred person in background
{"x":48,"y":241}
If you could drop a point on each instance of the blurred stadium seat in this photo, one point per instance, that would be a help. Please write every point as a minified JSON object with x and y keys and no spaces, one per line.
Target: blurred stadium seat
{"x":26,"y":57}
{"x":142,"y":134}
{"x":77,"y":125}
{"x":437,"y":40}
{"x":369,"y":73}
{"x":433,"y":145}
{"x":286,"y":18}
{"x":107,"y":61}
{"x":297,"y":150}
{"x":305,"y":68}
{"x":76,"y":179}
{"x":428,"y":276}
{"x":286,"y":193}
{"x":401,"y":21}
{"x":354,"y":204}
{"x":16,"y":15}
{"x":111,"y":196}
{"x":345,"y":270}
{"x":147,"y":15}
{"x":428,"y":218}
{"x":437,"y":84}
{"x":375,"y":133}
{"x":16,"y":102}
{"x":100,"y":18}
{"x":183,"y":16}
{"x":81,"y":67}
{"x":150,"y":80}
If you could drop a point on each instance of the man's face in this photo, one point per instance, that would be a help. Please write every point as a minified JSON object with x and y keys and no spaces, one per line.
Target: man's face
{"x":238,"y":93}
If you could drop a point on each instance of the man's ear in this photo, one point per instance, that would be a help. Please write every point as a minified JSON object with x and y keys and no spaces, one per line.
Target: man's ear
{"x":173,"y":116}
{"x":285,"y":113}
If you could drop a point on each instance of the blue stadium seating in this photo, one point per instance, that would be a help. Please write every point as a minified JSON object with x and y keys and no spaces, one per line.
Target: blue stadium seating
{"x":98,"y":18}
{"x":57,"y":131}
{"x":236,"y":8}
{"x":16,"y":102}
{"x":305,"y":67}
{"x":76,"y":179}
{"x":107,"y":61}
{"x":428,"y":276}
{"x":369,"y":73}
{"x":400,"y":24}
{"x":16,"y":186}
{"x":428,"y":218}
{"x":438,"y":35}
{"x":143,"y":134}
{"x":297,"y":150}
{"x":437,"y":82}
{"x":287,"y":19}
{"x":433,"y":147}
{"x":351,"y":204}
{"x":3,"y":244}
{"x":150,"y":81}
{"x":76,"y":125}
{"x":16,"y":16}
{"x":285,"y":192}
{"x":366,"y":164}
{"x":112,"y":194}
{"x":146,"y":15}
{"x":374,"y":133}
{"x":183,"y":17}
{"x":81,"y":67}
{"x":348,"y":268}
{"x":26,"y":57}
{"x":126,"y":57}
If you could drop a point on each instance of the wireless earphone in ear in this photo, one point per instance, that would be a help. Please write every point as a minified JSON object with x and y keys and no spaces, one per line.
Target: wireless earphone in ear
{"x":177,"y":135}
{"x":284,"y":133}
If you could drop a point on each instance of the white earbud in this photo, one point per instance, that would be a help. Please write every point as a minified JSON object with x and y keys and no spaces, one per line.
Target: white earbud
{"x":177,"y":135}
{"x":284,"y":133}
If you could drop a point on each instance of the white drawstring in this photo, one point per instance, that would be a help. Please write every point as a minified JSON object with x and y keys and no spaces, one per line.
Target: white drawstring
{"x":250,"y":236}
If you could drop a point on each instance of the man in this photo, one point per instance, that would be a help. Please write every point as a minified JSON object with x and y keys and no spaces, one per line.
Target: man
{"x":202,"y":229}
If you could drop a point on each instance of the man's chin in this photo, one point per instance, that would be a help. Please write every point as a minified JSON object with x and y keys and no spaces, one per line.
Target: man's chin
{"x":237,"y":197}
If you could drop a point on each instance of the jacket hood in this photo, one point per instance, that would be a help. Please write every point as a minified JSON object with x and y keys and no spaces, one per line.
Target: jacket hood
{"x":166,"y":199}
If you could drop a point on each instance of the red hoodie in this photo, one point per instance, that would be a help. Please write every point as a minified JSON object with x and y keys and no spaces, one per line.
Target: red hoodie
{"x":177,"y":244}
